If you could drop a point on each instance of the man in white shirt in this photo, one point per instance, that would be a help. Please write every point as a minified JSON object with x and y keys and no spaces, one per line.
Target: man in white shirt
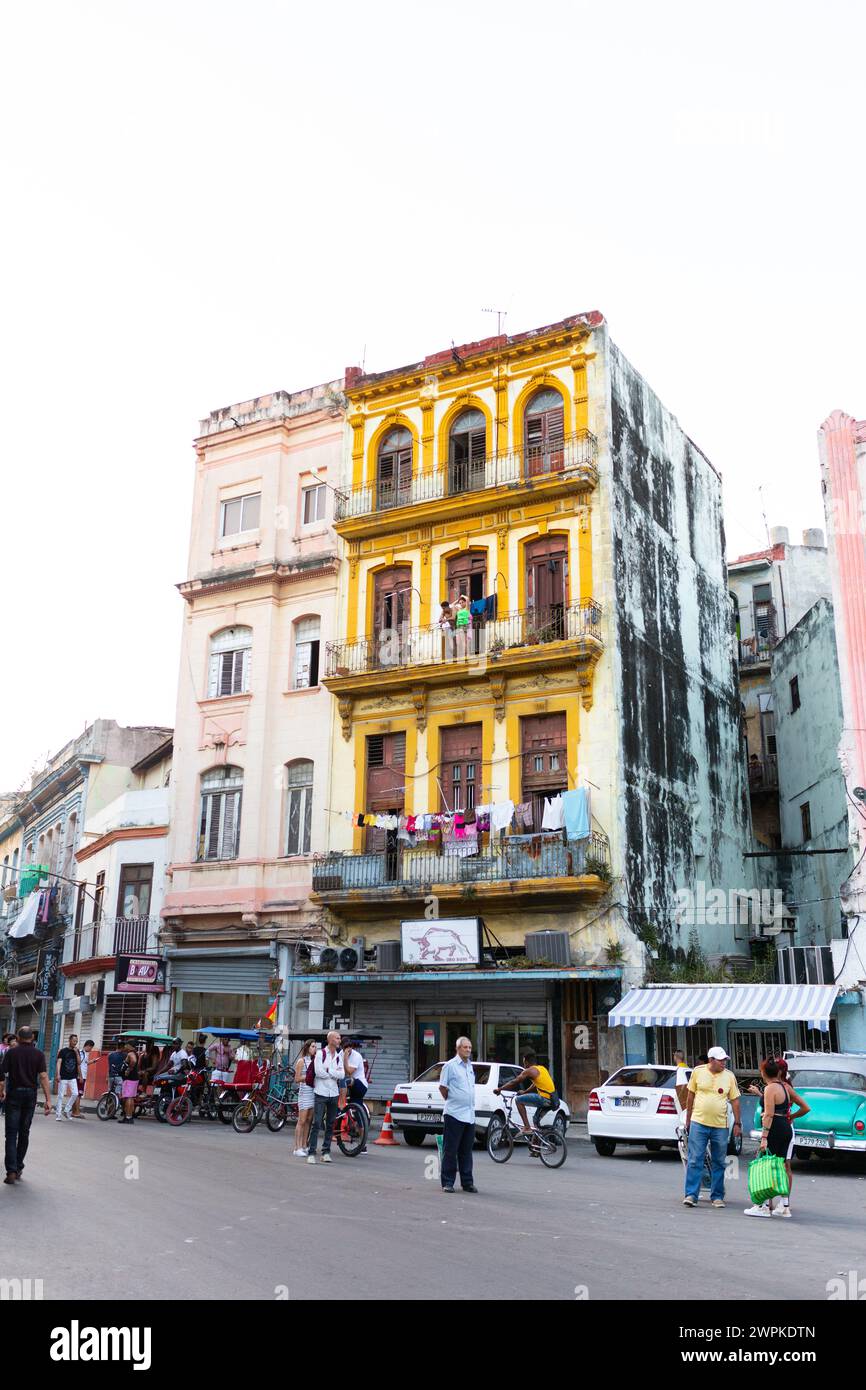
{"x":353,"y":1065}
{"x":329,"y":1072}
{"x":180,"y":1058}
{"x":84,"y":1061}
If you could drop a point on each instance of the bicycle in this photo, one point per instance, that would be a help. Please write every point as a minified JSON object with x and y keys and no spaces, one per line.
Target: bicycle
{"x":503,"y":1133}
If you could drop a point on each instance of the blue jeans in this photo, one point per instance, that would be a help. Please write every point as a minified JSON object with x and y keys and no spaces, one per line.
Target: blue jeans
{"x":699,"y":1137}
{"x":324,"y":1115}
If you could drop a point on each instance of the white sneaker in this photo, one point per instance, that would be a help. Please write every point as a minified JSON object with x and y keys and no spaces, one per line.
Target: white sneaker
{"x":784,"y":1212}
{"x":757,"y":1211}
{"x":326,"y":1158}
{"x":311,"y":1158}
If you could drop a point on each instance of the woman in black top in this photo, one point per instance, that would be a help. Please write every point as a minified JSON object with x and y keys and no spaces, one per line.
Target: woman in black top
{"x":777,"y":1135}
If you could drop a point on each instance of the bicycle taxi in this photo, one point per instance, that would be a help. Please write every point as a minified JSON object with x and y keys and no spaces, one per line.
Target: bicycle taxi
{"x":152,"y":1099}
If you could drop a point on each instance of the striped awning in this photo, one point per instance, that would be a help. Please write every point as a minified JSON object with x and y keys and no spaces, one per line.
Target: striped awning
{"x":686,"y":1005}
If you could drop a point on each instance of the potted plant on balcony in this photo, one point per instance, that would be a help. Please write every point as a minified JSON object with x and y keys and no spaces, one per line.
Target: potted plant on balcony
{"x":614,"y":952}
{"x":593,"y":865}
{"x":496,"y":648}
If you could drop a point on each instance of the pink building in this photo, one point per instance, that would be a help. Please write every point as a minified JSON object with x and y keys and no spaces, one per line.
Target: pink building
{"x":252,"y":740}
{"x":842,"y":448}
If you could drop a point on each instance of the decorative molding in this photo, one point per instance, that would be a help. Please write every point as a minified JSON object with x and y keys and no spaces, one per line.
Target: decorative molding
{"x":419,"y":701}
{"x":344,"y":704}
{"x":497,"y":690}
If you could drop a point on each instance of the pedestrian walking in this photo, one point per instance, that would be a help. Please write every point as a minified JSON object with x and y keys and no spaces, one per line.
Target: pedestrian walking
{"x":711,"y":1088}
{"x":67,"y":1074}
{"x":681,"y":1080}
{"x":22,"y":1069}
{"x":83,"y":1062}
{"x":328,"y":1072}
{"x":777,"y":1128}
{"x":306,"y":1097}
{"x":457,"y":1085}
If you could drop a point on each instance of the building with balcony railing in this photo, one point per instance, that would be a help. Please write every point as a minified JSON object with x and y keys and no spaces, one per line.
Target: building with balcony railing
{"x":530,"y":609}
{"x":112,"y":938}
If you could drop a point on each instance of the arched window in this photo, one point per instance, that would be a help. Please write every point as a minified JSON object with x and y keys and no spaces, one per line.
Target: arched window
{"x":5,"y":870}
{"x":220,"y":822}
{"x":544,"y":433}
{"x":467,"y":451}
{"x":306,"y":672}
{"x":229,"y":669}
{"x":394,"y":470}
{"x":299,"y":782}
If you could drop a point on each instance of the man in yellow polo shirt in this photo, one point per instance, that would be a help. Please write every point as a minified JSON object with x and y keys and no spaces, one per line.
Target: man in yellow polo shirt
{"x":711,"y":1088}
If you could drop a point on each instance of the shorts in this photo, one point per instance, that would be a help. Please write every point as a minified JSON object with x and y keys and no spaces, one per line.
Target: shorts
{"x":780,"y":1138}
{"x":130,"y":1090}
{"x":535,"y":1098}
{"x":306,"y":1096}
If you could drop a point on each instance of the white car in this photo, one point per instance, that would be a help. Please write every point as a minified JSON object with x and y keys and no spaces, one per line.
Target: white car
{"x":417,"y":1106}
{"x":639,"y":1105}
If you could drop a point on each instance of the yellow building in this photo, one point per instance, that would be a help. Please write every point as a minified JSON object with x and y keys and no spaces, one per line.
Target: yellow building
{"x":473,"y":484}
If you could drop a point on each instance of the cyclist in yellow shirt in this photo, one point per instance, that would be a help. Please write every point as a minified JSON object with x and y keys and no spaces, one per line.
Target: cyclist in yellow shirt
{"x":543,"y":1094}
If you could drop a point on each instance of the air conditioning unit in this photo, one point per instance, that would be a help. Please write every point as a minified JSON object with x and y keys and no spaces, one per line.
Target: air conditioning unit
{"x":389,"y":955}
{"x":329,"y":958}
{"x":351,"y":959}
{"x":549,"y":945}
{"x":805,"y":965}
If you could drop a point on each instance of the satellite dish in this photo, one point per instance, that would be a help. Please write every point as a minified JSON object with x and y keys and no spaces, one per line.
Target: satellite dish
{"x":329,"y":959}
{"x":348,"y":958}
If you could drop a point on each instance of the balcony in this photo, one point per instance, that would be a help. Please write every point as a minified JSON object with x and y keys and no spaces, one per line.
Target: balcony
{"x":757,"y":633}
{"x":371,"y":507}
{"x":763,"y":774}
{"x":542,"y":865}
{"x":515,"y":640}
{"x":113,"y":936}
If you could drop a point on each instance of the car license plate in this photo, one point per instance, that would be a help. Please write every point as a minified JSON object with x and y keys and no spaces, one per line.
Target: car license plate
{"x":429,"y":1117}
{"x":628,"y":1102}
{"x":812,"y":1141}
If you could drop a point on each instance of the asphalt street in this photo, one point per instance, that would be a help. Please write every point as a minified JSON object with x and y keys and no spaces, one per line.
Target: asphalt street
{"x":107,"y":1211}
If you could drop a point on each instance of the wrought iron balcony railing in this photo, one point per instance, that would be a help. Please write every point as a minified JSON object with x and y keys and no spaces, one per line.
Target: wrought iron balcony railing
{"x":518,"y":857}
{"x":763,"y":773}
{"x":113,"y":936}
{"x":572,"y":457}
{"x":758,"y":633}
{"x":488,"y":640}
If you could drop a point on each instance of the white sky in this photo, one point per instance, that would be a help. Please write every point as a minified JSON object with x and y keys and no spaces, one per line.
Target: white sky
{"x":206,"y":200}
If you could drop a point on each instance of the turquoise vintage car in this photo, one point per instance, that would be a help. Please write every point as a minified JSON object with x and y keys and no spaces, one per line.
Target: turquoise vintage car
{"x":833,"y":1085}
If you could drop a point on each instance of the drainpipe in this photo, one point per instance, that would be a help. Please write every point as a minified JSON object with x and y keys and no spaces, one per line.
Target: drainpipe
{"x":784,"y":612}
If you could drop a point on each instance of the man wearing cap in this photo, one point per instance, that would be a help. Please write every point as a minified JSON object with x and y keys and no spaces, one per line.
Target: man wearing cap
{"x":711,"y":1087}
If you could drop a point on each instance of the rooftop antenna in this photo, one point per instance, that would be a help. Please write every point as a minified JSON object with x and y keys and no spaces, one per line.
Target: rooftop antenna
{"x":501,"y":315}
{"x":764,"y":514}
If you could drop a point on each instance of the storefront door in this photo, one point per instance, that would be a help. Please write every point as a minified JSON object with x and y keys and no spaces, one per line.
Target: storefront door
{"x":436,"y":1040}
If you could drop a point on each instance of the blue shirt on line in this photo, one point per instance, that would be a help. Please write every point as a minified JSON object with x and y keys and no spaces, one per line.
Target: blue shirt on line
{"x":459,"y":1078}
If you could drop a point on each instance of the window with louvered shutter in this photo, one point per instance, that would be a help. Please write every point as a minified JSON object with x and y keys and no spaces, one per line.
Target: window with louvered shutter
{"x":467,"y":449}
{"x":394,"y":469}
{"x":544,"y":433}
{"x":229,"y":665}
{"x":220,"y":821}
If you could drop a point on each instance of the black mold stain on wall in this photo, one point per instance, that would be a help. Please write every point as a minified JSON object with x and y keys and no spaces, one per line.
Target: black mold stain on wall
{"x":680,"y":709}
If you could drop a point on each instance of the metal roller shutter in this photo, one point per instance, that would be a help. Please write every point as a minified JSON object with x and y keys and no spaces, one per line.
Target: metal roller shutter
{"x":223,"y":974}
{"x":507,"y":1007}
{"x":391,"y":1019}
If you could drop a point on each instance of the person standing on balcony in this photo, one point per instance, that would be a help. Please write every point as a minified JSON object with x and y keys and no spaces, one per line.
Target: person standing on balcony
{"x":446,"y":624}
{"x":463,"y":624}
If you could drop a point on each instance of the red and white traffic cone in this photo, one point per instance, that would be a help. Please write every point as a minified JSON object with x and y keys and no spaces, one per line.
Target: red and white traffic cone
{"x":387,"y":1134}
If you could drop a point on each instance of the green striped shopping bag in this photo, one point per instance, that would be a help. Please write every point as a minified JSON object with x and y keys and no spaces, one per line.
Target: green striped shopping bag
{"x":767,"y":1178}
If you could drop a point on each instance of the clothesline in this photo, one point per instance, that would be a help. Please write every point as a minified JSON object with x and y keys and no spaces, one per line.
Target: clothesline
{"x":567,"y":811}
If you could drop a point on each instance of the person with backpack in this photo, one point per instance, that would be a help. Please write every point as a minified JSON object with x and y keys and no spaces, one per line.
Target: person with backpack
{"x":328,"y":1072}
{"x":305,"y":1080}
